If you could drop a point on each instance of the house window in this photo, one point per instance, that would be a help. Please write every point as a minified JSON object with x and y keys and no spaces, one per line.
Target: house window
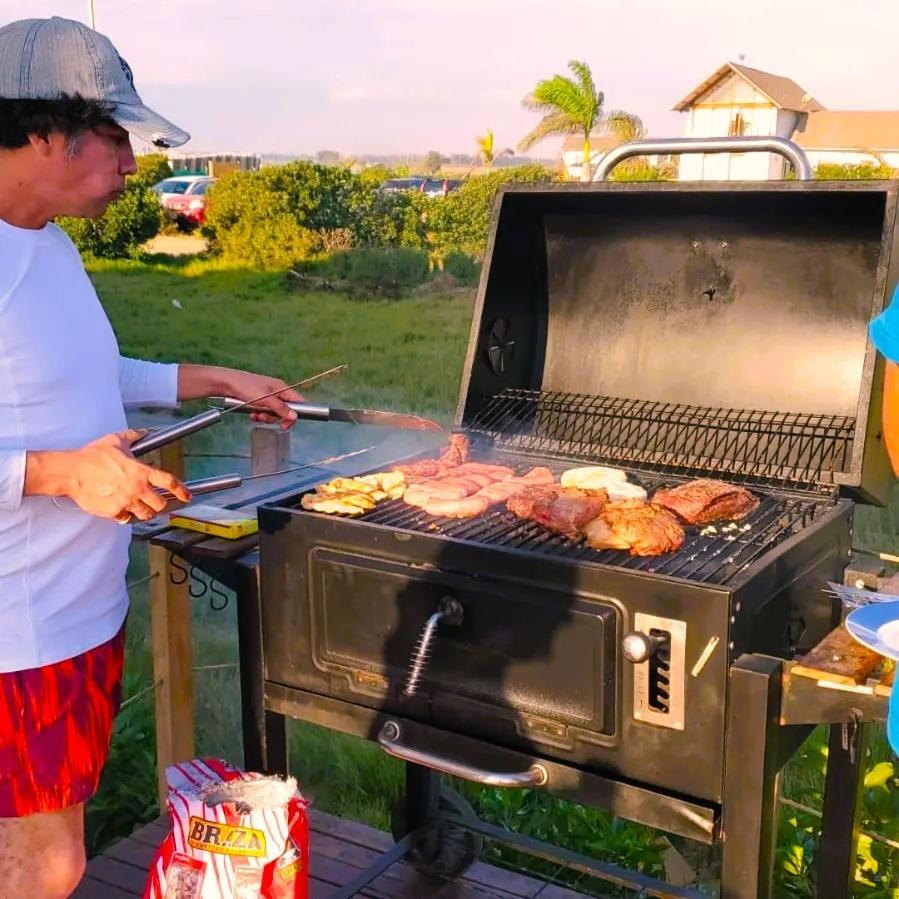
{"x":737,"y":127}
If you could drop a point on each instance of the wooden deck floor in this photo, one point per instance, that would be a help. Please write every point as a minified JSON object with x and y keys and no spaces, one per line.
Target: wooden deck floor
{"x":339,"y":851}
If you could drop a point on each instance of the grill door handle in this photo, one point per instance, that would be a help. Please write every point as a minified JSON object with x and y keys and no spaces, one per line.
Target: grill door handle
{"x":390,"y":737}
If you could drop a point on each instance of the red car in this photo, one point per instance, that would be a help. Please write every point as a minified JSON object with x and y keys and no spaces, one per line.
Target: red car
{"x":189,"y":210}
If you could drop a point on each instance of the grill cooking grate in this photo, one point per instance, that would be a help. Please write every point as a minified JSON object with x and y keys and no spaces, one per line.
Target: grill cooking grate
{"x":792,"y":450}
{"x":712,"y":559}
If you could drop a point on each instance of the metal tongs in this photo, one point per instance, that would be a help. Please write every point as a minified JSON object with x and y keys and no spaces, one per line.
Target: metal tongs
{"x":164,"y":436}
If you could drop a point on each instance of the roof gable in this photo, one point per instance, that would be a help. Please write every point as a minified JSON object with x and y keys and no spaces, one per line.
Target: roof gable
{"x":784,"y":93}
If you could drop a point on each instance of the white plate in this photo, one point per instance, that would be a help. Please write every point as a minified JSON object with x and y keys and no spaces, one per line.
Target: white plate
{"x":877,"y":627}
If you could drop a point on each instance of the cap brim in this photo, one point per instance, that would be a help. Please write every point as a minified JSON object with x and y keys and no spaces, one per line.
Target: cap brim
{"x":142,"y":122}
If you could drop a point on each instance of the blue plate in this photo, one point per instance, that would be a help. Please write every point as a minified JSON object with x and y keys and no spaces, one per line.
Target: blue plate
{"x":877,"y":627}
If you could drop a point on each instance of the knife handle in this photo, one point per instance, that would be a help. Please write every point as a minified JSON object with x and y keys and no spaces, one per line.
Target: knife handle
{"x":305,"y":411}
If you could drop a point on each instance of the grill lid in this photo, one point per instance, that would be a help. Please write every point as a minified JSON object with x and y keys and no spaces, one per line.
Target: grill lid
{"x":689,"y":327}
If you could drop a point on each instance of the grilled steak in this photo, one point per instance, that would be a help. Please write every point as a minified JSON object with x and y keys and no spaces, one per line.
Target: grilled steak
{"x":706,"y":501}
{"x":568,"y":514}
{"x":522,"y":503}
{"x":643,"y":528}
{"x":563,"y":511}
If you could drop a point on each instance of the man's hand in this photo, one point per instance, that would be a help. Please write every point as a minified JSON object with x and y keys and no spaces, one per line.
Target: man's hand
{"x":103,"y":478}
{"x":247,"y":386}
{"x":199,"y":381}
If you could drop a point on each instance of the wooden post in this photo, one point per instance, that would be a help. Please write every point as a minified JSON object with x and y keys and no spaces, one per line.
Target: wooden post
{"x":172,"y":653}
{"x":269,"y":449}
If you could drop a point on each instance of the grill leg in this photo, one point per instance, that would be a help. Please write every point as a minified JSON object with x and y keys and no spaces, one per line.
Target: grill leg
{"x":422,"y":796}
{"x":751,"y":778}
{"x":264,"y":732}
{"x":842,"y":809}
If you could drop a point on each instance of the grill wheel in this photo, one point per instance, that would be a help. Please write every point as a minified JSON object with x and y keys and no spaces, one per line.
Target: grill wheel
{"x":448,"y":850}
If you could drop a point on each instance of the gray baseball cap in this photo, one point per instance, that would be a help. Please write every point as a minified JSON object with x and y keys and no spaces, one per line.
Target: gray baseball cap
{"x":41,"y":59}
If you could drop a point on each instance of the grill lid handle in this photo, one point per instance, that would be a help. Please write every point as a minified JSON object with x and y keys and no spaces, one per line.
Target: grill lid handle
{"x":389,"y":739}
{"x":678,"y":145}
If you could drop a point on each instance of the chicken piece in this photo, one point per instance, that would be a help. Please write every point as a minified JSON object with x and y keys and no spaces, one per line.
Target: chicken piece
{"x":338,"y":503}
{"x":705,"y":501}
{"x":643,"y":528}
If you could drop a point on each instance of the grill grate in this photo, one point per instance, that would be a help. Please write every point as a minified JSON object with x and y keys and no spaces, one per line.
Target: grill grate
{"x":712,"y":559}
{"x":793,"y":450}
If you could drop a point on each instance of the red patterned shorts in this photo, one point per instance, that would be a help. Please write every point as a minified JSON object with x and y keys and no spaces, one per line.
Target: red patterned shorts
{"x":55,"y":727}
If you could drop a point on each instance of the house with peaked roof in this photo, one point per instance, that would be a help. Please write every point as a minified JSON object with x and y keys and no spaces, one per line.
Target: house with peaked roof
{"x":736,"y":100}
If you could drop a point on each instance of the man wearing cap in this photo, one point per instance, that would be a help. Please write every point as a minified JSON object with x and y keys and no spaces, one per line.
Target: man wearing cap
{"x":67,"y":105}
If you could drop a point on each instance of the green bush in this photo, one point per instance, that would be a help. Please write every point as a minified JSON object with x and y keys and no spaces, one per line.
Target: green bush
{"x":462,"y":267}
{"x":831,"y":171}
{"x":386,"y":270}
{"x":461,"y":221}
{"x":305,"y":208}
{"x":129,"y":222}
{"x":151,"y":169}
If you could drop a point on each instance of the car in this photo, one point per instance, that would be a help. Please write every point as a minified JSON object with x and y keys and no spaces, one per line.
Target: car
{"x":178,"y":187}
{"x":439,"y":187}
{"x":396,"y":185}
{"x":189,"y":209}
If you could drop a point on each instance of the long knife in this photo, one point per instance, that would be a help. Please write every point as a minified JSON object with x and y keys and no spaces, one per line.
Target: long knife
{"x":310,"y":412}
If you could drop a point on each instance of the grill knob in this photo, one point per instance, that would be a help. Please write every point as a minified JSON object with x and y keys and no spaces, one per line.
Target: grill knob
{"x":638,"y":647}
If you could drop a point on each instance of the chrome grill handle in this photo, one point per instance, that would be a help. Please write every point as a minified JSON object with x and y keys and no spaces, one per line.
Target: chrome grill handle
{"x":390,"y":740}
{"x":790,"y":151}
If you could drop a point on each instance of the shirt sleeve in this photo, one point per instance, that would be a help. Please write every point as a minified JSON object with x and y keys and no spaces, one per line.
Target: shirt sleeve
{"x":12,"y":479}
{"x":148,"y":383}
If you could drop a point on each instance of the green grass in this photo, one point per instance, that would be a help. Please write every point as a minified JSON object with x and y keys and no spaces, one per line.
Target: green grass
{"x":405,"y":353}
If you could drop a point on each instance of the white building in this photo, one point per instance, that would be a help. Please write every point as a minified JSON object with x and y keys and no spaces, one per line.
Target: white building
{"x":736,"y":100}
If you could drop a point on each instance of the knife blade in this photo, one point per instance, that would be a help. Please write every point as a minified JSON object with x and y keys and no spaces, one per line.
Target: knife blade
{"x":310,"y":412}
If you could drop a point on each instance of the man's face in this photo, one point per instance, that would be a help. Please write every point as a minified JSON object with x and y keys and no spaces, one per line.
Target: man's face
{"x":85,"y":174}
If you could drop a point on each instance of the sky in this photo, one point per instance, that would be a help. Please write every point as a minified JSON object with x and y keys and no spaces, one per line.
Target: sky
{"x":408,"y":76}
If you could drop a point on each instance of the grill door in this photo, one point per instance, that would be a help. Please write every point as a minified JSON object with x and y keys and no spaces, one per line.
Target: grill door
{"x":523,"y":662}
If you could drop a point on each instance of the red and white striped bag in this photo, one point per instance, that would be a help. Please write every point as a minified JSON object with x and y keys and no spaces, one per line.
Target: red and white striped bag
{"x":234,"y":835}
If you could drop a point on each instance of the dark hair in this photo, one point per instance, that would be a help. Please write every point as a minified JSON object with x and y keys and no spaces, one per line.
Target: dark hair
{"x":69,"y":115}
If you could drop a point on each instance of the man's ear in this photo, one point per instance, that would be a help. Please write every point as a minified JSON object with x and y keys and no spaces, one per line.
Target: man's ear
{"x":891,"y":413}
{"x":43,"y":146}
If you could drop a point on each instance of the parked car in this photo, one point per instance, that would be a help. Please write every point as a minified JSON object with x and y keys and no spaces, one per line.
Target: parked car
{"x":178,"y":187}
{"x":189,"y":209}
{"x":439,"y":187}
{"x":395,"y":185}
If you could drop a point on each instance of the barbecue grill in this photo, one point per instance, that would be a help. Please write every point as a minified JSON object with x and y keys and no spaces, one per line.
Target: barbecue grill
{"x":674,"y":330}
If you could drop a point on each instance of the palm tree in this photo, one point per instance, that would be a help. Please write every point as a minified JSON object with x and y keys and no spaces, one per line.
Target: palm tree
{"x":487,"y":150}
{"x":574,"y":106}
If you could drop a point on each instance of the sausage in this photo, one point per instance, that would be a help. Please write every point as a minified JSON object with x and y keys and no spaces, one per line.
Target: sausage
{"x":467,"y":507}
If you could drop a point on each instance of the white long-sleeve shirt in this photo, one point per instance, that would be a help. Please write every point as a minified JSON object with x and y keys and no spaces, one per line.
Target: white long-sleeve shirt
{"x":63,"y":384}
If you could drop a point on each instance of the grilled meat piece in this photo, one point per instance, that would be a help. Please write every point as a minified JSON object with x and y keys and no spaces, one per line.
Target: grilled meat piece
{"x":705,"y":501}
{"x":442,"y":501}
{"x":563,"y":511}
{"x":567,"y":514}
{"x":522,"y":503}
{"x":456,"y":451}
{"x":454,"y":454}
{"x":643,"y":528}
